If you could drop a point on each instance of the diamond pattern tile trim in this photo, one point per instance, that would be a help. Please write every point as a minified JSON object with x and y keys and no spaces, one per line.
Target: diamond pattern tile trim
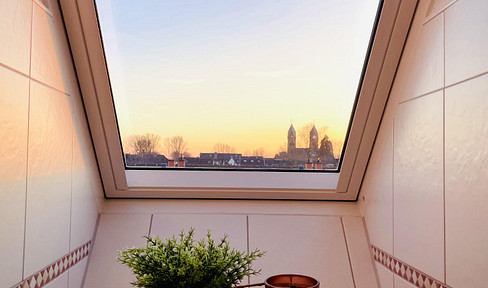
{"x":55,"y":269}
{"x":407,"y":272}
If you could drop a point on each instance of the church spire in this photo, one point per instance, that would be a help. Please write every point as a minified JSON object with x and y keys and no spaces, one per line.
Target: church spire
{"x":314,"y":138}
{"x":292,"y":139}
{"x":292,"y":131}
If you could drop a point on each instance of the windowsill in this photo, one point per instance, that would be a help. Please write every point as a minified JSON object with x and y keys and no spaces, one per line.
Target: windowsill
{"x":248,"y":207}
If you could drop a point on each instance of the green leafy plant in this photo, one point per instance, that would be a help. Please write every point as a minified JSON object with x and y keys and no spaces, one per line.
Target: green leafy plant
{"x":186,"y":263}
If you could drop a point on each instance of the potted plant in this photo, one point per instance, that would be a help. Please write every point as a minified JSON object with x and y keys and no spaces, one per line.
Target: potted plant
{"x":182,"y":262}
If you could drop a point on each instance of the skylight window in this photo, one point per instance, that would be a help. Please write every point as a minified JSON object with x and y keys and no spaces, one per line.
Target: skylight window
{"x":245,"y":89}
{"x":240,"y":85}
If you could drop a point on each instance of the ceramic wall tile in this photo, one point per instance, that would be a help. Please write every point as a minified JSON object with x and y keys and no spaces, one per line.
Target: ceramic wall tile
{"x":421,"y":68}
{"x":76,"y":274}
{"x":418,"y":184}
{"x":46,"y":65}
{"x":466,"y":183}
{"x":115,"y":232}
{"x":14,"y":100}
{"x":49,"y":177}
{"x":86,"y":175}
{"x":437,"y":6}
{"x":377,"y":189}
{"x":86,"y":187}
{"x":60,"y":282}
{"x":360,"y":256}
{"x":64,"y":56}
{"x":303,"y":245}
{"x":15,"y":34}
{"x":466,"y":41}
{"x":401,"y":283}
{"x":234,"y":226}
{"x":385,"y":276}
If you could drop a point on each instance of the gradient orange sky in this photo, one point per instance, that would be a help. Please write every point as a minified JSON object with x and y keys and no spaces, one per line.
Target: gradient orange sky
{"x":235,"y":72}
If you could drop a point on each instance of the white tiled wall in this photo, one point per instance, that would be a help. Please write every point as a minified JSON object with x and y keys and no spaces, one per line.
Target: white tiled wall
{"x":385,"y":276}
{"x":48,"y":178}
{"x":49,"y":181}
{"x":15,"y":32}
{"x":465,"y":43}
{"x":467,"y":182}
{"x":13,"y":131}
{"x":60,"y":282}
{"x":234,"y":226}
{"x":422,"y":60}
{"x":379,"y":178}
{"x":76,"y":274}
{"x":436,"y":122}
{"x":401,"y":283}
{"x":418,"y":195}
{"x":116,"y":232}
{"x":323,"y":240}
{"x":291,"y":244}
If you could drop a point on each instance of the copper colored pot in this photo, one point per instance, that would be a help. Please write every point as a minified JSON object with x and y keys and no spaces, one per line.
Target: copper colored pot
{"x":291,"y":281}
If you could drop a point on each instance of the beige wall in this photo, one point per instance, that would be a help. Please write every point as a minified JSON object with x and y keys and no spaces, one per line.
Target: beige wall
{"x":49,"y":181}
{"x":425,"y":191}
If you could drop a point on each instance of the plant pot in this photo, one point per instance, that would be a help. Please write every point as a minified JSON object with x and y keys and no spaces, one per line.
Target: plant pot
{"x":291,"y":281}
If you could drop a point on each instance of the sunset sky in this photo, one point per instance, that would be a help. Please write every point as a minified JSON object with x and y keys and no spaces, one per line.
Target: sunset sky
{"x":236,"y":72}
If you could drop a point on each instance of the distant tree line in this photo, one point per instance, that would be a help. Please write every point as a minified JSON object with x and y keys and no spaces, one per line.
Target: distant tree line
{"x":150,"y":144}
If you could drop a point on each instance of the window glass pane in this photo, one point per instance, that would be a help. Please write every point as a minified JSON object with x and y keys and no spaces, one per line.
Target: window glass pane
{"x":254,"y":84}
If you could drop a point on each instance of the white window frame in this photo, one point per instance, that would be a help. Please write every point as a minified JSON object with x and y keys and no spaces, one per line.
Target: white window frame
{"x":81,"y":21}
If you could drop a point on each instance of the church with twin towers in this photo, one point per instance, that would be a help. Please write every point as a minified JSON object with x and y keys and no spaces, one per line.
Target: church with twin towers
{"x":305,"y":153}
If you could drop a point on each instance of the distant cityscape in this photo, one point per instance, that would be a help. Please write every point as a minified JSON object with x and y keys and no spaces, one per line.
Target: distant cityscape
{"x":319,"y":155}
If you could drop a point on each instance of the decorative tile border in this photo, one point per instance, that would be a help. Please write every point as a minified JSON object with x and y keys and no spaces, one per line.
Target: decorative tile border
{"x":407,"y":272}
{"x":54,"y":270}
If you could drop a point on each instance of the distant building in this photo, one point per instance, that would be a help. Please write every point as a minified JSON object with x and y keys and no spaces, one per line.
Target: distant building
{"x":274,"y":163}
{"x":309,"y":153}
{"x":221,"y":159}
{"x":226,"y":160}
{"x":146,"y":160}
{"x":214,"y":159}
{"x":253,"y":161}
